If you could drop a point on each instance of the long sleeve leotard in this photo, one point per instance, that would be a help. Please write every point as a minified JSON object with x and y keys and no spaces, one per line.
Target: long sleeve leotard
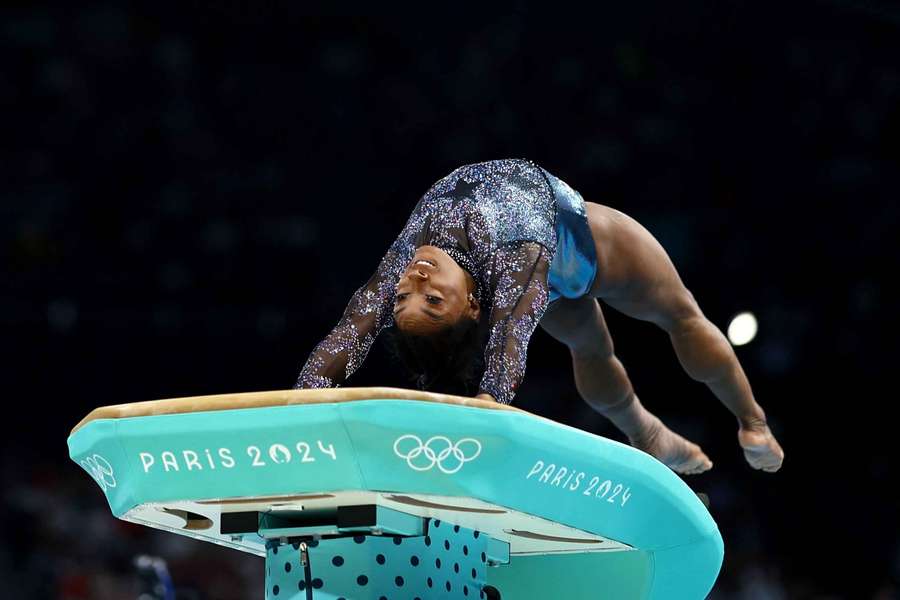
{"x":496,"y":219}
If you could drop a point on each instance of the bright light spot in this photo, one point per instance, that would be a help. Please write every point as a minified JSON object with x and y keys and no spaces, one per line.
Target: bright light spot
{"x":742,"y":329}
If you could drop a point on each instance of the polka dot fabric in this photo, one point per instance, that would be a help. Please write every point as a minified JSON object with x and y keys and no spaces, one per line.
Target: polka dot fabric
{"x":449,"y":562}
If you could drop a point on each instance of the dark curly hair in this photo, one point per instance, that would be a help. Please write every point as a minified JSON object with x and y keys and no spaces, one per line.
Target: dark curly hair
{"x":449,"y":360}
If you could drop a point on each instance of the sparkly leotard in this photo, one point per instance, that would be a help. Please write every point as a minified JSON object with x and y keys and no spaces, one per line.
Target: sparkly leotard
{"x":499,"y":221}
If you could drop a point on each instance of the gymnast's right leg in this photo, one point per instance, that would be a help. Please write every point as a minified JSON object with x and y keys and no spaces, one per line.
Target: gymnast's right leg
{"x":602,"y":382}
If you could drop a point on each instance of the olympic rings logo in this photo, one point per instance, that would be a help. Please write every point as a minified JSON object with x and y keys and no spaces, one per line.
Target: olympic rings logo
{"x":432,"y":458}
{"x":100,"y":469}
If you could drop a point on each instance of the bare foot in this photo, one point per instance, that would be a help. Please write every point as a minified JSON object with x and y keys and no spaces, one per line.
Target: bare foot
{"x":760,"y":447}
{"x":672,"y":450}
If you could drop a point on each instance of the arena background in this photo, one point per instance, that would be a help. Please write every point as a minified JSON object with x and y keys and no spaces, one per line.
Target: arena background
{"x":191,"y":193}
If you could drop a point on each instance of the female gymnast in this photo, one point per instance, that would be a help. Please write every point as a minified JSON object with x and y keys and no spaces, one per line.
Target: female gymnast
{"x":508,"y":237}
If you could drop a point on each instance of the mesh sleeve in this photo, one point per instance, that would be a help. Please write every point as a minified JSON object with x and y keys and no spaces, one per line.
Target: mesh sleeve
{"x":369,"y":311}
{"x":519,"y":299}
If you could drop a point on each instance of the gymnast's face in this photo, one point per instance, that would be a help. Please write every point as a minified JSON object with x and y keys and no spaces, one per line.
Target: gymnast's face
{"x":433,"y":291}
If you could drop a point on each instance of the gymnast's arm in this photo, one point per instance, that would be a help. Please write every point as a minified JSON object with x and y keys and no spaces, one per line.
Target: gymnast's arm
{"x":344,"y":349}
{"x":520,"y":296}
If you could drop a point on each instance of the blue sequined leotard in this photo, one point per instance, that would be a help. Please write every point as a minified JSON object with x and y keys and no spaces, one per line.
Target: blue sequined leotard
{"x":519,"y":231}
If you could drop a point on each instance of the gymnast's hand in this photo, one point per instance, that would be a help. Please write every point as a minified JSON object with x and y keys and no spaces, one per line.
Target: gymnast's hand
{"x":485,"y":396}
{"x":760,"y":447}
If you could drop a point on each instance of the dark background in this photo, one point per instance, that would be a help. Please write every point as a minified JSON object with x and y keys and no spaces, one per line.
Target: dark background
{"x":191,"y":193}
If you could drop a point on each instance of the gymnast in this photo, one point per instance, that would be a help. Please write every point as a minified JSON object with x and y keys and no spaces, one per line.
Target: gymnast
{"x":495,"y":248}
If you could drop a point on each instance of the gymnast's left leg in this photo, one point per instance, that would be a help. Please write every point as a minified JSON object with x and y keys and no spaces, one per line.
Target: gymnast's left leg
{"x":602,"y":382}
